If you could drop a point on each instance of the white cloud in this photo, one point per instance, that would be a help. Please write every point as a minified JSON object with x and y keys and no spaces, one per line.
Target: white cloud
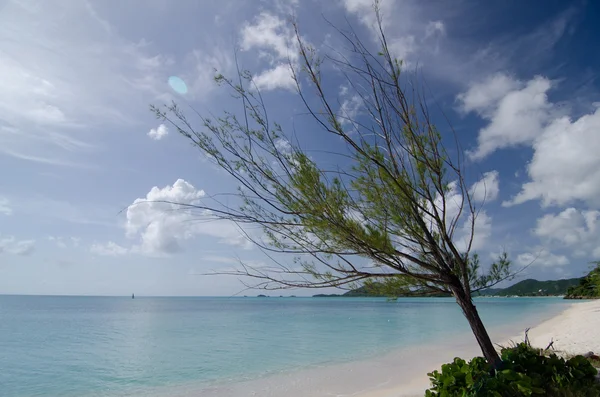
{"x":11,"y":245}
{"x":517,"y":112}
{"x":275,"y":41}
{"x":4,"y":207}
{"x":108,"y":249}
{"x":565,"y":166}
{"x":364,"y":10}
{"x":487,"y":188}
{"x":65,"y":72}
{"x":350,"y":109}
{"x":63,"y":242}
{"x":283,"y":145}
{"x":482,"y":232}
{"x":435,"y":27}
{"x":60,"y":243}
{"x":402,"y":47}
{"x":483,"y":97}
{"x":481,"y":229}
{"x":269,"y":32}
{"x":273,"y":37}
{"x":571,"y":228}
{"x":278,"y":77}
{"x":161,"y":225}
{"x":449,"y":205}
{"x":404,"y":36}
{"x":158,"y":133}
{"x":542,"y":257}
{"x":201,"y":67}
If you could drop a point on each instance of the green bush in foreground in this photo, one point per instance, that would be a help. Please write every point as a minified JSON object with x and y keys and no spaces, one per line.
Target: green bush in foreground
{"x":525,"y":372}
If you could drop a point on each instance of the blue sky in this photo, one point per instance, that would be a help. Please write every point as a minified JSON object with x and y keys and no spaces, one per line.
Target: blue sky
{"x":78,"y":145}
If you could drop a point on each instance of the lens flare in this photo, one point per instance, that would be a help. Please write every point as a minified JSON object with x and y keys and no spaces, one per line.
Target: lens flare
{"x":178,"y":85}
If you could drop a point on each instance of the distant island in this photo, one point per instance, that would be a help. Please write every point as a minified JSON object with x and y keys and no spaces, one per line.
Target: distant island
{"x":366,"y":292}
{"x":529,"y":287}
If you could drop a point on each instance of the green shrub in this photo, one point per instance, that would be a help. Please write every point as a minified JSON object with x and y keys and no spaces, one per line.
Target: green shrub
{"x":525,"y":372}
{"x":589,"y":286}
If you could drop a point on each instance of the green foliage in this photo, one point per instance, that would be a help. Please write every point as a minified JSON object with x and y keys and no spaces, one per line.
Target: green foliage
{"x":589,"y":286}
{"x":525,"y":372}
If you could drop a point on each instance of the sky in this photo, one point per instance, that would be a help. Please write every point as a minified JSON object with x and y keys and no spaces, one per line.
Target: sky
{"x":81,"y":154}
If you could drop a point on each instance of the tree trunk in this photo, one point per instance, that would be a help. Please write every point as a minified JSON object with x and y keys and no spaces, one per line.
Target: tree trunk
{"x":483,"y":339}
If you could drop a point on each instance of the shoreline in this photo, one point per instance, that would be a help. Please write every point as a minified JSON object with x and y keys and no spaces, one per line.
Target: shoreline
{"x":402,"y":372}
{"x":571,"y":330}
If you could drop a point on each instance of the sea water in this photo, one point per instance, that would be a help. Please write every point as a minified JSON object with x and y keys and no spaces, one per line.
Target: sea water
{"x":112,"y":346}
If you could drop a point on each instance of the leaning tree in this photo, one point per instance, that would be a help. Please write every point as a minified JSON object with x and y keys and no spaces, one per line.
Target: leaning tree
{"x":398,"y":197}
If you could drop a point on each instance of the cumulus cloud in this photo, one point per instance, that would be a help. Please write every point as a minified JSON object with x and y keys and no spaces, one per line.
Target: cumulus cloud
{"x":542,"y":257}
{"x":572,"y":228}
{"x":350,"y":109}
{"x":11,"y":245}
{"x":487,"y":188}
{"x":365,"y":12}
{"x":435,"y":27}
{"x":161,"y":226}
{"x":481,"y":230}
{"x":464,"y":227}
{"x":108,"y":249}
{"x":405,"y":34}
{"x":483,"y":97}
{"x":274,"y":39}
{"x":4,"y":207}
{"x":158,"y":133}
{"x":268,"y":33}
{"x":516,"y":112}
{"x":278,"y":77}
{"x":283,"y":145}
{"x":565,"y":167}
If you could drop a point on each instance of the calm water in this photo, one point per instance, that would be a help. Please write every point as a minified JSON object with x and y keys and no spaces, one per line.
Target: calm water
{"x":100,"y":346}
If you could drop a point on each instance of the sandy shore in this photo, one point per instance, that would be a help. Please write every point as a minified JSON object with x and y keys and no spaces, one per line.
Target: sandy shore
{"x":576,"y":330}
{"x":403,"y":372}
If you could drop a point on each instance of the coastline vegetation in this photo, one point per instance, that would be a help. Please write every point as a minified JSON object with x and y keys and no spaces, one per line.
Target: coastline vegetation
{"x":588,"y":287}
{"x":524,"y":288}
{"x":527,"y":371}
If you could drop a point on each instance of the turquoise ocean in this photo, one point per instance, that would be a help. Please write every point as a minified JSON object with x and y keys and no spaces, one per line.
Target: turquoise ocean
{"x":112,"y":346}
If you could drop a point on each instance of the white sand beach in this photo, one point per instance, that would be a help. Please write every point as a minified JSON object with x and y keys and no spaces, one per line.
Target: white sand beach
{"x":403,"y":372}
{"x":576,"y":330}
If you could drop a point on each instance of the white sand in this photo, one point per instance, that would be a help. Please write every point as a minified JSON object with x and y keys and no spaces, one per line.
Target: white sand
{"x":575,"y":331}
{"x":403,"y":372}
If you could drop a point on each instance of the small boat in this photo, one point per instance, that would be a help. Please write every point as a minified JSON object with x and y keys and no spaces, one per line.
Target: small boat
{"x":132,"y":296}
